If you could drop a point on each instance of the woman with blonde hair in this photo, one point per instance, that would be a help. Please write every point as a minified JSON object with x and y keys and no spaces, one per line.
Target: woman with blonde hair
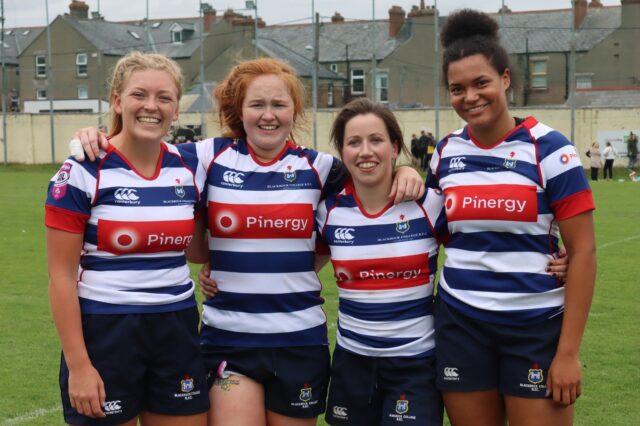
{"x":595,"y":160}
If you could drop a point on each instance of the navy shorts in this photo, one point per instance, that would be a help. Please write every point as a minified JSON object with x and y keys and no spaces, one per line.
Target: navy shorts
{"x":148,"y":362}
{"x":383,"y":391}
{"x":294,"y":379}
{"x":474,"y":355}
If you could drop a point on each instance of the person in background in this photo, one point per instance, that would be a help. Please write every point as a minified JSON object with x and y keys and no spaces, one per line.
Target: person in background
{"x":508,"y":336}
{"x":595,"y":160}
{"x":119,"y":288}
{"x":609,"y":155}
{"x":415,"y":151}
{"x":431,"y":146}
{"x":632,"y":151}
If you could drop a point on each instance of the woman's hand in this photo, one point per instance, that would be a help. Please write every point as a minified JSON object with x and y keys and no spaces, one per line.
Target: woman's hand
{"x":87,"y":140}
{"x":208,"y":286}
{"x":407,"y":185}
{"x":86,"y":391}
{"x":564,"y":381}
{"x":558,"y":267}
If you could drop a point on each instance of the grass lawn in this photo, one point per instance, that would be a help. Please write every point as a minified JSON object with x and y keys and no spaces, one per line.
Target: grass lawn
{"x":29,"y":348}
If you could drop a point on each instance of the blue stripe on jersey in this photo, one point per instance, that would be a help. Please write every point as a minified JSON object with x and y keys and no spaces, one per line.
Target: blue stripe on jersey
{"x":375,"y":234}
{"x":568,"y":183}
{"x":520,"y":317}
{"x":91,"y":234}
{"x":502,"y":282}
{"x":88,"y":306}
{"x":118,"y":263}
{"x":550,"y":143}
{"x":149,"y":197}
{"x":188,"y":153}
{"x":376,"y":342}
{"x":75,"y":200}
{"x":214,"y":338}
{"x":174,"y":290}
{"x":394,"y":311}
{"x":265,"y":303}
{"x":496,"y":242}
{"x":262,"y":181}
{"x":275,"y":262}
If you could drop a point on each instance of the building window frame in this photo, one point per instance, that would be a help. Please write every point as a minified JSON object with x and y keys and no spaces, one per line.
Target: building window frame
{"x":382,"y":87}
{"x":358,"y":81}
{"x":41,"y":66}
{"x":333,"y":67}
{"x":82,"y":61}
{"x":41,"y":94}
{"x":539,"y":68}
{"x":330,"y":97}
{"x":83,"y":92}
{"x":584,"y":81}
{"x":176,"y":36}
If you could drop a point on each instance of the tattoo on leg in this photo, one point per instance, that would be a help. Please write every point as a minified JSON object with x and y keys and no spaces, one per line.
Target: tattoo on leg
{"x":227,"y":383}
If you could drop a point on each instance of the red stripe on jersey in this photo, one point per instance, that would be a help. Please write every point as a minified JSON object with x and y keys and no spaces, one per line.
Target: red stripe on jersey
{"x":382,"y":274}
{"x":65,"y":220}
{"x":517,"y":203}
{"x":144,"y":237}
{"x":261,"y":220}
{"x":573,"y":205}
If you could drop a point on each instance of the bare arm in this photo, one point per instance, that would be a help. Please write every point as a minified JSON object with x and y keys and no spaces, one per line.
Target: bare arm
{"x":564,"y":382}
{"x":86,"y":389}
{"x":87,"y":140}
{"x":407,"y":185}
{"x":198,"y":249}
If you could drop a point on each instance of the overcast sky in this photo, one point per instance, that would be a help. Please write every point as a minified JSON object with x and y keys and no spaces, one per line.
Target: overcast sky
{"x":19,"y":13}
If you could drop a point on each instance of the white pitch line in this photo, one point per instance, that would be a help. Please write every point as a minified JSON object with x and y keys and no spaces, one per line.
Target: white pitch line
{"x":31,"y":415}
{"x":613,"y":243}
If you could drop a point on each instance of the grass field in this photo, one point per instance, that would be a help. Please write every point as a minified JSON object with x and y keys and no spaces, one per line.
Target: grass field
{"x":29,"y":349}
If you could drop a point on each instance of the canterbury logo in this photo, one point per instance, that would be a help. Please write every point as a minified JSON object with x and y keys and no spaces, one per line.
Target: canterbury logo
{"x":111,"y":406}
{"x":126,"y":194}
{"x":451,"y":372}
{"x":339,"y":411}
{"x":233,"y":177}
{"x":344,"y":234}
{"x":457,"y":163}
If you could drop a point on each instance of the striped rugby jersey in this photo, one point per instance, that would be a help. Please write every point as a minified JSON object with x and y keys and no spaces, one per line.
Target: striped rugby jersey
{"x":502,"y":204}
{"x":384,"y":266}
{"x":135,"y":229}
{"x":261,"y":242}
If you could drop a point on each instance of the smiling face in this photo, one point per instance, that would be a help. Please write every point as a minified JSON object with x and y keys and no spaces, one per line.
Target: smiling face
{"x":478,"y":93}
{"x":148,"y":105}
{"x":368,"y":152}
{"x":267,"y":115}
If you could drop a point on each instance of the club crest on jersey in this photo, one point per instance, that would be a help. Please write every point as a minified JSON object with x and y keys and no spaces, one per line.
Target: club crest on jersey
{"x":305,"y":393}
{"x":290,"y":175}
{"x":403,"y":225}
{"x":180,"y":192}
{"x":457,"y":164}
{"x":402,"y":405}
{"x":60,"y":185}
{"x":186,"y":384}
{"x":535,"y":375}
{"x":510,"y":163}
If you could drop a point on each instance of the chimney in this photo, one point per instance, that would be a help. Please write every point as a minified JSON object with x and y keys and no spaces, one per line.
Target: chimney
{"x":208,"y":16}
{"x":337,"y":18}
{"x":396,"y":20}
{"x":504,"y":9}
{"x":595,"y":3}
{"x":79,"y":9}
{"x":580,"y":12}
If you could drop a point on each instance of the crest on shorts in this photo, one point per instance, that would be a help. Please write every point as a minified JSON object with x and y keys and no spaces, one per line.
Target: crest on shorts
{"x":402,"y":405}
{"x":186,"y":384}
{"x":510,"y":163}
{"x":290,"y":175}
{"x":535,"y":375}
{"x":305,"y":393}
{"x":180,"y":192}
{"x":402,"y":226}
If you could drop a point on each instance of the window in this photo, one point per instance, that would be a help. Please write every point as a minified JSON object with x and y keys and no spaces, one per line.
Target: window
{"x":584,"y":81}
{"x":41,"y":66}
{"x":538,"y":74}
{"x":333,"y":67}
{"x":134,"y":34}
{"x":83,"y":92}
{"x":26,"y":32}
{"x":330,"y":95}
{"x":382,"y":87}
{"x":81,"y":64}
{"x":357,"y":81}
{"x":41,"y":94}
{"x":176,"y":37}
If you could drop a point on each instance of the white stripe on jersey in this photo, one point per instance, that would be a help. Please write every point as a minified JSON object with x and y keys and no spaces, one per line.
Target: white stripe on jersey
{"x":388,"y":296}
{"x":256,"y":283}
{"x":133,"y":213}
{"x":497,"y":261}
{"x":485,"y":178}
{"x":409,"y":328}
{"x":116,"y":178}
{"x":404,"y":248}
{"x":424,"y":342}
{"x":541,"y":227}
{"x":515,"y":301}
{"x":231,"y":196}
{"x":279,"y":322}
{"x":253,"y":245}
